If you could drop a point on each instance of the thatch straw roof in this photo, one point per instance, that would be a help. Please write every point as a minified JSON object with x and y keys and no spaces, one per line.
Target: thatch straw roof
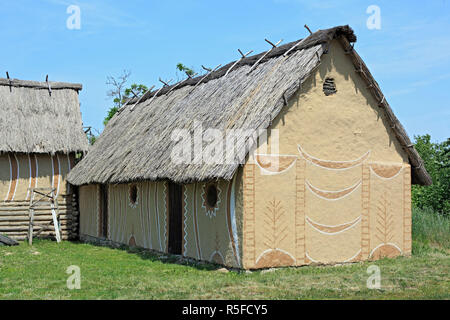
{"x":36,"y":119}
{"x":136,"y":144}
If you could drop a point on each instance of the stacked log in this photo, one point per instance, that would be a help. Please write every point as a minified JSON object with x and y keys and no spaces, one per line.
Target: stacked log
{"x":14,"y":218}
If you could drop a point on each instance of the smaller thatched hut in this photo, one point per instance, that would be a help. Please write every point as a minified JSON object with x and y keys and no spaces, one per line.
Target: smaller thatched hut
{"x":41,"y":132}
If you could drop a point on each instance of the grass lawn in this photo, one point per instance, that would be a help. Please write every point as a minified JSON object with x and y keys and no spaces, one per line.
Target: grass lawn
{"x":39,"y":272}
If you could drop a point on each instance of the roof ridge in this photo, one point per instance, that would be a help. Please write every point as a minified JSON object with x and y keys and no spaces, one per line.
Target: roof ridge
{"x":318,"y":37}
{"x":39,"y":85}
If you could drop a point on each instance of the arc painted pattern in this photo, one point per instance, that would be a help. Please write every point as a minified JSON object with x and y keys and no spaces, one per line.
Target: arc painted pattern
{"x":385,"y":171}
{"x":274,"y":258}
{"x":332,"y":195}
{"x":331,"y":164}
{"x":56,"y":179}
{"x":327,"y":229}
{"x":389,"y":250}
{"x":273,"y":164}
{"x":14,"y":175}
{"x":33,"y":164}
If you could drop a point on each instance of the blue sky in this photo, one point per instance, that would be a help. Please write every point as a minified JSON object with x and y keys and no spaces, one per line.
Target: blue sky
{"x":409,"y":56}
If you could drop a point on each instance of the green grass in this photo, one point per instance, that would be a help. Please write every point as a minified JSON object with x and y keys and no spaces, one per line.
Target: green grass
{"x":39,"y":272}
{"x":431,"y":228}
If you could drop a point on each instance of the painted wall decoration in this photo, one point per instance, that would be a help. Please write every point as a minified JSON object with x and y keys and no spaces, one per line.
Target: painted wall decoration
{"x":339,"y":211}
{"x":23,"y":171}
{"x":206,"y":236}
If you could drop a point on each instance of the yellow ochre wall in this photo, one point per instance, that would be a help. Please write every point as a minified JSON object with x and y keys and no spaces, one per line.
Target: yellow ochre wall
{"x":341,"y":189}
{"x":22,"y":171}
{"x":209,"y":234}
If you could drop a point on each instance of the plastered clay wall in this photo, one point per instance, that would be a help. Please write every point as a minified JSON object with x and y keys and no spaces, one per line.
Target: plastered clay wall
{"x":208,"y":234}
{"x":337,"y":189}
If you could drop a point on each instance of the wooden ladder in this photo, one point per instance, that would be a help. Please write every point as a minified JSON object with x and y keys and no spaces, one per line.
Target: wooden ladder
{"x":47,"y":196}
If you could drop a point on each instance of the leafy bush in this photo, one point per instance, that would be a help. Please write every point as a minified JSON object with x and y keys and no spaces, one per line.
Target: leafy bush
{"x":437,"y":162}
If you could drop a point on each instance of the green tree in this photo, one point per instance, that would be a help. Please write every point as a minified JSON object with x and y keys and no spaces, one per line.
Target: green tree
{"x":189,"y":71}
{"x":120,"y":94}
{"x":436,"y":157}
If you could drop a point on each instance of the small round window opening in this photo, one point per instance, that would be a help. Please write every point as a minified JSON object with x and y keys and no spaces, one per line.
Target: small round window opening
{"x":329,"y":87}
{"x":211,"y":196}
{"x":133,"y":195}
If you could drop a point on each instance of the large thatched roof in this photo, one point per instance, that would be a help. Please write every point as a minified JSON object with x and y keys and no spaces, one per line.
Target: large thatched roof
{"x":36,"y":119}
{"x":136,"y":144}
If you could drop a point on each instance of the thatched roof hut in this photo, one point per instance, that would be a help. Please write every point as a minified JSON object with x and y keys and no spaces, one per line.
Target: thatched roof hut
{"x":36,"y":119}
{"x":330,"y":182}
{"x":136,"y":144}
{"x":41,"y":134}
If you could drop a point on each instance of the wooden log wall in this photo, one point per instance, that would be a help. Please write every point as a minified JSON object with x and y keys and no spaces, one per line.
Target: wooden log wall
{"x":14,"y":218}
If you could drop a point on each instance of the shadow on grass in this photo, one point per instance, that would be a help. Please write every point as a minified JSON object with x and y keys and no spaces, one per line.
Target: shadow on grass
{"x":162,"y":257}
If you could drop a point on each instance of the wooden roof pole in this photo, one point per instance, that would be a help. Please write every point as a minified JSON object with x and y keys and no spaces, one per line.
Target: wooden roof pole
{"x":237,"y":61}
{"x":48,"y":86}
{"x":265,"y":54}
{"x":209,"y":72}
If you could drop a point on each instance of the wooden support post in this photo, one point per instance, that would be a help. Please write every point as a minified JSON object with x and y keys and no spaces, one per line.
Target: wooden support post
{"x":49,"y":197}
{"x":55,"y":215}
{"x":30,"y":227}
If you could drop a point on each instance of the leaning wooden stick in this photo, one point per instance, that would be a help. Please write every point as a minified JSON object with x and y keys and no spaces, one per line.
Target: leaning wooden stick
{"x":265,"y":54}
{"x":209,"y":72}
{"x":307,"y":28}
{"x":9,"y":80}
{"x":165,"y":83}
{"x":140,"y":98}
{"x":181,"y":82}
{"x":159,"y":90}
{"x":237,"y":61}
{"x":48,"y":85}
{"x":293,"y":47}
